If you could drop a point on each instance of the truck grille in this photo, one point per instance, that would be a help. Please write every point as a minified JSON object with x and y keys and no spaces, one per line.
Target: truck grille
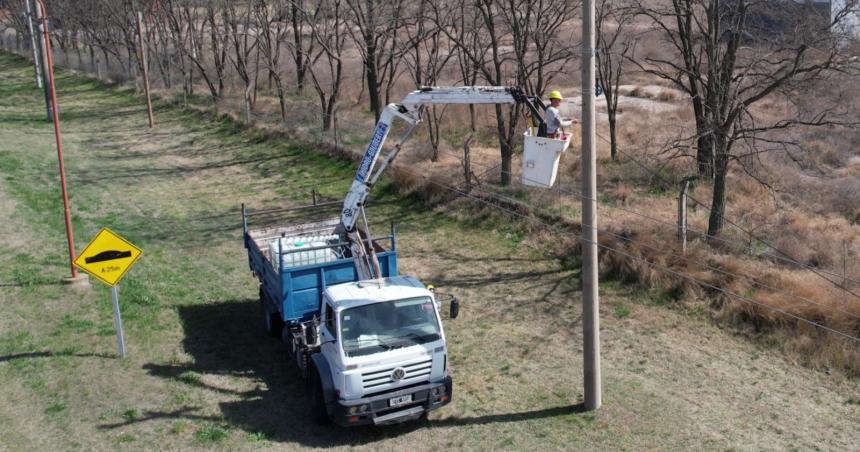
{"x":376,"y":379}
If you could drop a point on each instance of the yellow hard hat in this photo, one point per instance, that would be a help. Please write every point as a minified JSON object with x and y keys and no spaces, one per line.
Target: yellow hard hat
{"x":556,"y":95}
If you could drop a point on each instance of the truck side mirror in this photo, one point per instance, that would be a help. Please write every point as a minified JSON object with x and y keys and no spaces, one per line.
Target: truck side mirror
{"x":455,"y":308}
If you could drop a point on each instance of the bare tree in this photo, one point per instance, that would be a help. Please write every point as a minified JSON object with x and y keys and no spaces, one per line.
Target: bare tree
{"x":244,"y":39}
{"x":466,"y":39}
{"x":271,"y":17}
{"x":374,"y":30}
{"x":729,"y":56}
{"x":499,"y":48}
{"x":613,"y":45}
{"x":177,"y":22}
{"x":193,"y":27}
{"x":301,"y":47}
{"x":328,"y":24}
{"x":426,"y":53}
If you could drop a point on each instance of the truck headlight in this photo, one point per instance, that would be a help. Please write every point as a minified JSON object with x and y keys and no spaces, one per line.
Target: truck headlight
{"x":358,"y":409}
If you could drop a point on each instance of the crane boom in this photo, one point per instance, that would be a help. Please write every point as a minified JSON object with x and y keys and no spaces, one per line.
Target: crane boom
{"x":409,"y":111}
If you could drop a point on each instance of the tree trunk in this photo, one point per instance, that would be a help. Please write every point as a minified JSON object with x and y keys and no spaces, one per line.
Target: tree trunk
{"x":467,"y":164}
{"x":326,"y":120}
{"x":301,"y":69}
{"x":718,"y":202}
{"x":613,"y":138}
{"x":373,"y":82}
{"x":282,"y":97}
{"x":472,"y":118}
{"x":434,"y":133}
{"x":93,"y":60}
{"x":705,"y":155}
{"x":506,"y":150}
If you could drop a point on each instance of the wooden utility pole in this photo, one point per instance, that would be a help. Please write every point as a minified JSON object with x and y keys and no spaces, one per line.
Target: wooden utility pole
{"x":590,"y":298}
{"x":144,"y":68}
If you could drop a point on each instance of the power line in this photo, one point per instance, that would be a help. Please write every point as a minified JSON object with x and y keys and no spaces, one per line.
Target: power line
{"x":788,"y":257}
{"x":641,"y":259}
{"x":679,"y":256}
{"x":748,"y":278}
{"x":647,"y":262}
{"x":689,"y":260}
{"x":782,"y":257}
{"x":738,"y":244}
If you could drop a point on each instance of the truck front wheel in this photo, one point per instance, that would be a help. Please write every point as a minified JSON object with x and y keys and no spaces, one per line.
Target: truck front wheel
{"x":317,"y":399}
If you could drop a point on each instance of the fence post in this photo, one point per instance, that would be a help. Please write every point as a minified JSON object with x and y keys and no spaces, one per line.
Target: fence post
{"x":144,"y":67}
{"x":467,"y":163}
{"x":682,"y":215}
{"x":844,"y":270}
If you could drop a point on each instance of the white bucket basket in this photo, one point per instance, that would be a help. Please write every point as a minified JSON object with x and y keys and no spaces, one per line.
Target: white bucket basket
{"x":540,"y":159}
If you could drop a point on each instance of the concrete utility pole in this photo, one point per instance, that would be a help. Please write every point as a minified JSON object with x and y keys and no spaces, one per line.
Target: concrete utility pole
{"x":40,"y":14}
{"x":33,"y":43}
{"x":144,"y":68}
{"x":590,"y":302}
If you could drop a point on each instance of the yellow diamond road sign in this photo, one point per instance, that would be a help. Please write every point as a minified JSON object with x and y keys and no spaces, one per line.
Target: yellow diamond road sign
{"x":108,"y":257}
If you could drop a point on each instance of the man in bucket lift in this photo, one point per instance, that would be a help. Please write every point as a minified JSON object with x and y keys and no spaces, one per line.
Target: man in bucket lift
{"x":554,"y":123}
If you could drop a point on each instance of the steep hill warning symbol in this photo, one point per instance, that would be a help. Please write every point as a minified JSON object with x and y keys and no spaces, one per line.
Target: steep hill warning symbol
{"x":108,"y":257}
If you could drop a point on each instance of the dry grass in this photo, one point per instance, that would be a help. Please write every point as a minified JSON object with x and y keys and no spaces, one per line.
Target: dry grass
{"x":784,"y":220}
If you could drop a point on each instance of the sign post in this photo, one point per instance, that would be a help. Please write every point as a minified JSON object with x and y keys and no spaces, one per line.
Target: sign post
{"x":117,"y":321}
{"x":108,"y":257}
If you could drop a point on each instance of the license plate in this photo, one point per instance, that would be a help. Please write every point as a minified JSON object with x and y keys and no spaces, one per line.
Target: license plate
{"x":402,"y":400}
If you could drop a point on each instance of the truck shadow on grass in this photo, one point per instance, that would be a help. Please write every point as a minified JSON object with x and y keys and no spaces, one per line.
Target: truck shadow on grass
{"x":224,"y":339}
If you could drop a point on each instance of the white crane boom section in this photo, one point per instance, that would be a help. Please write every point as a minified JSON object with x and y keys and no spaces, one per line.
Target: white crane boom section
{"x":409,"y":110}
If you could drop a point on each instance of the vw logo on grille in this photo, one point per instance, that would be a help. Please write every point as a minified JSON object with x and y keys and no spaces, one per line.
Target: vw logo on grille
{"x":398,"y":374}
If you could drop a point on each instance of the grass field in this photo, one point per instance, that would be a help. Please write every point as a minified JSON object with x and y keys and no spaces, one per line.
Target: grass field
{"x":201,"y":374}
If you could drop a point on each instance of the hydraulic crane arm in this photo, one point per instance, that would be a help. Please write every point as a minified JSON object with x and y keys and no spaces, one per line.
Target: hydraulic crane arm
{"x":410,"y":111}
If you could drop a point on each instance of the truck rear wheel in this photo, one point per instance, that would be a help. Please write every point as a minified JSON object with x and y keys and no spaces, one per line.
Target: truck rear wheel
{"x":272,"y":322}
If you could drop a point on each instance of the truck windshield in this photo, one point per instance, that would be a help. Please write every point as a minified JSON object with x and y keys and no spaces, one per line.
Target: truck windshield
{"x":378,"y":327}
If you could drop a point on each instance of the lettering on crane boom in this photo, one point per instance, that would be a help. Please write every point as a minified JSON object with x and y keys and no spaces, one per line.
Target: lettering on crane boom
{"x":372,"y":151}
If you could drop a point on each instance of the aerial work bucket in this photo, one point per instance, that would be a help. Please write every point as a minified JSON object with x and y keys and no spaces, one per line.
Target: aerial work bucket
{"x":540,"y":158}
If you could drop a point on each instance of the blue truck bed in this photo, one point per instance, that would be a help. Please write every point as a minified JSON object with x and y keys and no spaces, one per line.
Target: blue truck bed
{"x":294,"y":288}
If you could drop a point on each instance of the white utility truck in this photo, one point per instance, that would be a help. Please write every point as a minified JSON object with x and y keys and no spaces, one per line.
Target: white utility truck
{"x":369,"y":343}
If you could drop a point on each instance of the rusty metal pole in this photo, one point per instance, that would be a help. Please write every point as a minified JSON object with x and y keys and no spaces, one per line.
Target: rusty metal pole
{"x":49,"y":70}
{"x":144,"y":68}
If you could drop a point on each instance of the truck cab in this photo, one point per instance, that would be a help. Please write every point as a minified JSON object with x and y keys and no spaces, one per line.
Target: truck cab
{"x":382,"y":355}
{"x":372,"y":351}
